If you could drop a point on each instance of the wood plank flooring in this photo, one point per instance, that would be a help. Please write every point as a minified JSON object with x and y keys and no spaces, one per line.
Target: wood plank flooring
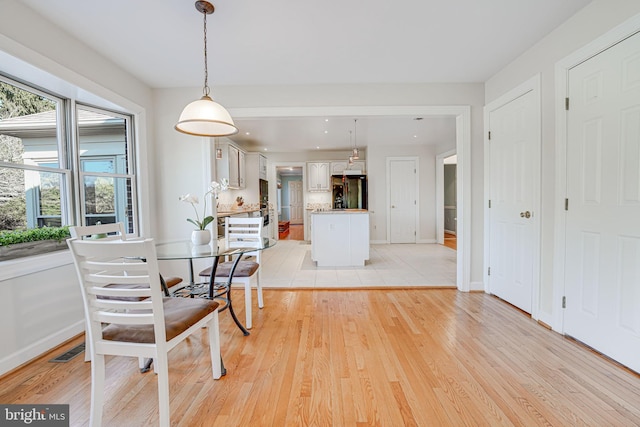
{"x":450,"y":240}
{"x":294,"y":232}
{"x":417,"y":357}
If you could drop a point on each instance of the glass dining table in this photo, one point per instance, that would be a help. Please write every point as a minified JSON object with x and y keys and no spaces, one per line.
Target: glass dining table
{"x":214,"y":288}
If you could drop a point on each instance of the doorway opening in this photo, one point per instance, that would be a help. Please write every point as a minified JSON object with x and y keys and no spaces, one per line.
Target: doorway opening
{"x":450,"y":202}
{"x":462,"y":116}
{"x":447,"y":199}
{"x":290,"y":202}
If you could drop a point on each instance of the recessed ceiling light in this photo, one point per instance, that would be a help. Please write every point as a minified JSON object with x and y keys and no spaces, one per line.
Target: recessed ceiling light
{"x":326,"y":131}
{"x":265,"y":148}
{"x":415,"y":136}
{"x":317,"y":148}
{"x":326,"y":120}
{"x":247,"y":133}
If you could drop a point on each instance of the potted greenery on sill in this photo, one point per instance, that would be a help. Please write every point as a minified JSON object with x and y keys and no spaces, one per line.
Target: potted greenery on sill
{"x":35,"y":241}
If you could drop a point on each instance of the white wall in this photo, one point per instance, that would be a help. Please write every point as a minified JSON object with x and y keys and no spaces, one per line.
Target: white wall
{"x":588,"y":24}
{"x":426,"y":232}
{"x":40,"y":303}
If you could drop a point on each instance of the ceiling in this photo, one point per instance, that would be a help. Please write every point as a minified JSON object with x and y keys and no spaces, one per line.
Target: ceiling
{"x":301,"y":42}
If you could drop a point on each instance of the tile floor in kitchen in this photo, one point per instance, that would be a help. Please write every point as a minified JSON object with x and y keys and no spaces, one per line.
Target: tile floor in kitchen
{"x":288,"y":265}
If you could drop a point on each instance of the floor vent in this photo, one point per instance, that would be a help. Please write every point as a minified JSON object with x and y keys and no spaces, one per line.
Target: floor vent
{"x":69,"y":354}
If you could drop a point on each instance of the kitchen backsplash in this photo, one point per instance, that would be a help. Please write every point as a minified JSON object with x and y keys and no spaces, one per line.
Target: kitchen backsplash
{"x":316,"y":206}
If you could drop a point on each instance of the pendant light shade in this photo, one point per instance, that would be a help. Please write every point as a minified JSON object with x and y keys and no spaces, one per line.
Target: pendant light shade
{"x":205,"y":117}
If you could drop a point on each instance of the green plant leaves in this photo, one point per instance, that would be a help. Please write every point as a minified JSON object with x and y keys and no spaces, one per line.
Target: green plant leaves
{"x":33,"y":235}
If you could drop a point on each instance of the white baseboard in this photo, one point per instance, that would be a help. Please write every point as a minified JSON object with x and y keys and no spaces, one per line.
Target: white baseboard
{"x":476,"y":286}
{"x":450,"y":232}
{"x":426,"y":241}
{"x":546,"y":318}
{"x":386,"y":242}
{"x":26,"y":354}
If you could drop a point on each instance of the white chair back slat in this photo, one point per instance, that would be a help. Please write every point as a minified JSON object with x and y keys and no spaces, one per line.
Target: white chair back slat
{"x":244,"y":233}
{"x":113,"y":279}
{"x":100,"y":231}
{"x":129,"y":319}
{"x":114,"y":304}
{"x":127,"y":265}
{"x":110,"y":270}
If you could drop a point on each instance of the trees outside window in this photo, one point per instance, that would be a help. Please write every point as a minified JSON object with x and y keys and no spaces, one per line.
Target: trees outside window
{"x":39,"y":185}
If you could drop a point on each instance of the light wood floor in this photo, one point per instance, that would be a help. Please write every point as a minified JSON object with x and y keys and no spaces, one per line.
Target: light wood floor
{"x":414,"y":357}
{"x":295,"y":232}
{"x":450,"y":240}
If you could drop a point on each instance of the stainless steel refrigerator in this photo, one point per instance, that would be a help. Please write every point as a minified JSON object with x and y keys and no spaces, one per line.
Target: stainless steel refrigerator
{"x":349,"y":191}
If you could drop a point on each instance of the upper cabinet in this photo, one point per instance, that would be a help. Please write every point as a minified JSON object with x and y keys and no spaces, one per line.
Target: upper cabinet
{"x":230,"y":164}
{"x":358,"y":165}
{"x":318,"y":176}
{"x":338,"y":168}
{"x":262,"y":165}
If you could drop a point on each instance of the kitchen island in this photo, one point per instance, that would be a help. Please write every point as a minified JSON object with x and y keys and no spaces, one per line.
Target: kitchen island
{"x":340,"y":237}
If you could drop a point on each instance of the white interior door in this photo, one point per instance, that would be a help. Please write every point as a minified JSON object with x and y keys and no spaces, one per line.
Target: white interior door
{"x":514,"y":146}
{"x":295,"y":202}
{"x":402,"y":200}
{"x":602,"y":271}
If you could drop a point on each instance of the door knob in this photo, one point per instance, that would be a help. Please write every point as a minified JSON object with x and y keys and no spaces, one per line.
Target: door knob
{"x":526,"y":214}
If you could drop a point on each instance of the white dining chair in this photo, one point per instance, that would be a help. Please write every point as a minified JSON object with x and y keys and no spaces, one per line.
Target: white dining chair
{"x":135,"y":322}
{"x":112,"y":231}
{"x":242,"y":233}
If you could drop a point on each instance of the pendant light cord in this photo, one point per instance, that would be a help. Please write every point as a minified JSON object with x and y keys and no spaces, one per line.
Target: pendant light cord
{"x":355,"y":153}
{"x":206,"y":89}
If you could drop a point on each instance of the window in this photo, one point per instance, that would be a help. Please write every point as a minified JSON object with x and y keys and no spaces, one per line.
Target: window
{"x":107,"y":183}
{"x":58,"y":168}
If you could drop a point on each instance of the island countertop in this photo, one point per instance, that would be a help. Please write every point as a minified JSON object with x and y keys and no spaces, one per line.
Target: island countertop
{"x":340,"y":211}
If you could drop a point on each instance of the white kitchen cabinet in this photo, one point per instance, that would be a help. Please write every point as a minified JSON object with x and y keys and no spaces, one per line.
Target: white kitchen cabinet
{"x":230,"y":164}
{"x":262,"y":165}
{"x":318,"y":176}
{"x":340,"y":238}
{"x":358,"y":165}
{"x":338,"y":168}
{"x":242,"y":180}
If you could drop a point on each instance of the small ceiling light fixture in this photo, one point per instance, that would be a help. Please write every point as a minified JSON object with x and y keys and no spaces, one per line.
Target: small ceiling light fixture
{"x":205,"y":117}
{"x":355,"y":155}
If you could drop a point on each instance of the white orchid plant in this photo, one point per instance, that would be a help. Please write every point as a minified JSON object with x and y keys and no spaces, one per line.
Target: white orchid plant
{"x":215,"y":188}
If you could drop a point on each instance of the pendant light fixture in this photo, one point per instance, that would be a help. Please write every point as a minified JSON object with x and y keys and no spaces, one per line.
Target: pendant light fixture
{"x":205,"y":117}
{"x":355,"y":155}
{"x":350,"y":157}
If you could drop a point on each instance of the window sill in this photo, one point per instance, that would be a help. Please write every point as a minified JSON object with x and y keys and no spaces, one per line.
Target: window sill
{"x":33,"y":264}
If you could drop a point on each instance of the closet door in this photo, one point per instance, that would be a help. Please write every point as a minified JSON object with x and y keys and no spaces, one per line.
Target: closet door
{"x":602,"y":269}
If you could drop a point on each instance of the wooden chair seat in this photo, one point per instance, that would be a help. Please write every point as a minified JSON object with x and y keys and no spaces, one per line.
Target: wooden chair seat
{"x":171,"y":281}
{"x":179,"y":315}
{"x":243,"y":269}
